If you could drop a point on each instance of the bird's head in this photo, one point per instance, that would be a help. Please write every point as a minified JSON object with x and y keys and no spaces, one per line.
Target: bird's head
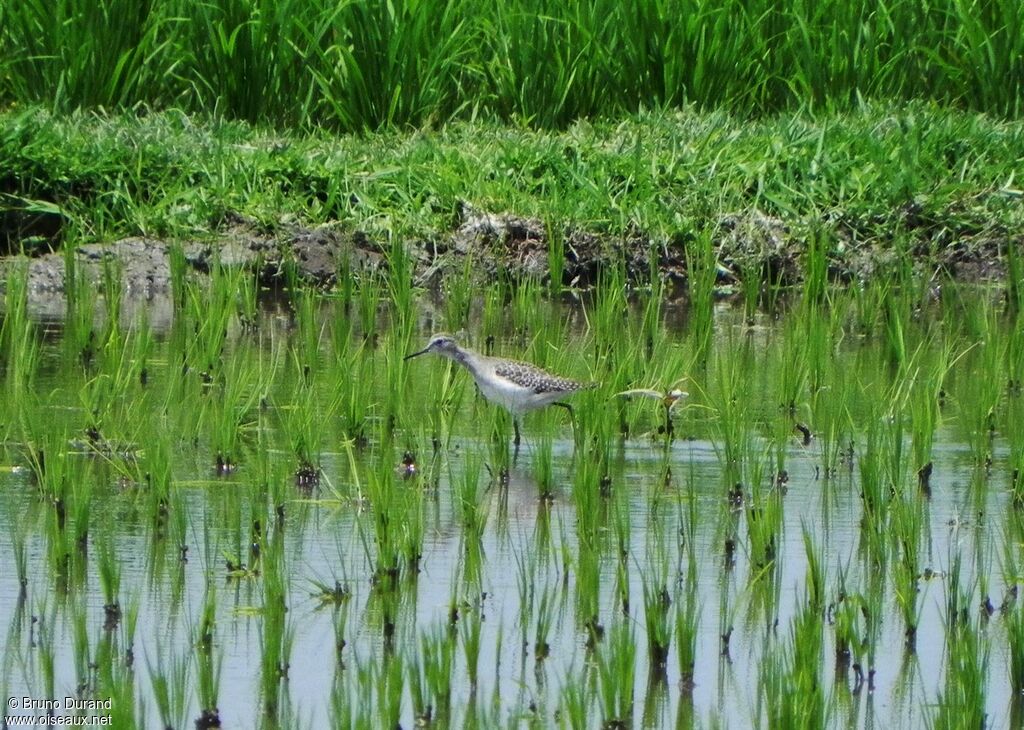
{"x":440,"y":344}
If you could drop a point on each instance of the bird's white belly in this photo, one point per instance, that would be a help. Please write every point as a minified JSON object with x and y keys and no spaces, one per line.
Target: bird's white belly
{"x":506,"y":394}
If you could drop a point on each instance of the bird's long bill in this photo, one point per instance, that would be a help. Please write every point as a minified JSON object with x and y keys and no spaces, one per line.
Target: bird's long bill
{"x":416,"y":354}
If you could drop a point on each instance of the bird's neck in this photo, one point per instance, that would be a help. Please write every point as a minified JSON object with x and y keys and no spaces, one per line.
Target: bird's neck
{"x":468,"y":359}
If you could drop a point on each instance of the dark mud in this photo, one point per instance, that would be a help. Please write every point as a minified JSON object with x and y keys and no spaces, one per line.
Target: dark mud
{"x":504,"y":244}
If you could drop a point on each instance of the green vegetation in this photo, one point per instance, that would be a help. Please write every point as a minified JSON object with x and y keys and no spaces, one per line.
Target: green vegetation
{"x":636,"y":547}
{"x":783,"y":243}
{"x":363,"y":65}
{"x":875,"y":185}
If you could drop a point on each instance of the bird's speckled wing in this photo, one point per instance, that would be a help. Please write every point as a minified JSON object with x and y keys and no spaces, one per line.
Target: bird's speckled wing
{"x":529,"y":376}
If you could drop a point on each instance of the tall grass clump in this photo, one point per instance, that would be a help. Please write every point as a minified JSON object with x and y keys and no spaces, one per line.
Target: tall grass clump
{"x":99,"y":55}
{"x":364,"y":65}
{"x":397,"y":63}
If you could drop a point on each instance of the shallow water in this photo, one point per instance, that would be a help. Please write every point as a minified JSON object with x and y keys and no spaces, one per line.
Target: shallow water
{"x":529,"y":548}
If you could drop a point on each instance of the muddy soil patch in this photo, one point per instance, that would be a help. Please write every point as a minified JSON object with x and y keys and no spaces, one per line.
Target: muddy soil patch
{"x":488,"y":245}
{"x":144,"y":264}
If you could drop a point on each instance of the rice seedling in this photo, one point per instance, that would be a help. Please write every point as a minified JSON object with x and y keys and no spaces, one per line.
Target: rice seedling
{"x":815,"y":573}
{"x":544,"y":469}
{"x":210,"y":314}
{"x":112,"y":288}
{"x":795,"y":370}
{"x":383,"y":681}
{"x":208,"y":660}
{"x":962,"y":700}
{"x":978,"y":399}
{"x":115,"y":675}
{"x":470,"y":629}
{"x":178,"y":274}
{"x":883,"y":444}
{"x":370,"y":291}
{"x":170,"y":679}
{"x":18,"y":340}
{"x":657,"y":604}
{"x":729,"y":402}
{"x":527,"y":585}
{"x":400,"y":279}
{"x":469,"y":500}
{"x":398,"y":525}
{"x":848,"y":615}
{"x":109,"y":569}
{"x":354,"y":391}
{"x":80,"y":314}
{"x":459,"y":298}
{"x":15,"y":305}
{"x":543,"y":622}
{"x":616,"y":668}
{"x":896,"y":322}
{"x":1015,"y":641}
{"x":430,"y":677}
{"x":702,"y":272}
{"x":907,"y":521}
{"x":791,"y":691}
{"x":763,"y":511}
{"x":19,"y":541}
{"x":574,"y":709}
{"x":623,"y":527}
{"x":816,"y":257}
{"x":278,"y":633}
{"x":42,"y":658}
{"x":85,"y":667}
{"x":395,"y":350}
{"x":232,"y":405}
{"x":308,"y":333}
{"x":301,"y":422}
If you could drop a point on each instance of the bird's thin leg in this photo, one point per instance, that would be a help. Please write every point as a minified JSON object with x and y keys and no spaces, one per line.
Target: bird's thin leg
{"x":515,"y":425}
{"x":566,"y":406}
{"x":572,"y":417}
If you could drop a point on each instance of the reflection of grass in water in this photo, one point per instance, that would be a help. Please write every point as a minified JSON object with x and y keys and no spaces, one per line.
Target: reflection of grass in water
{"x":657,"y":608}
{"x":170,"y":676}
{"x":962,"y":698}
{"x":791,"y":689}
{"x":278,"y":633}
{"x":207,"y":657}
{"x":616,"y":671}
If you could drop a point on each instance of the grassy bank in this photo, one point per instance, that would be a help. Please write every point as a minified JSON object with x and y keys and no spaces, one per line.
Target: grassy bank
{"x":364,"y":64}
{"x":873,"y":187}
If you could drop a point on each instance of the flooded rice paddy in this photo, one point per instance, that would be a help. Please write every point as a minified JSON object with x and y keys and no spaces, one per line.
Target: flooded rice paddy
{"x":256,"y":513}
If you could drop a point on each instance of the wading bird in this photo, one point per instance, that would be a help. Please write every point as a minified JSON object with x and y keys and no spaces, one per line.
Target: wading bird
{"x":516,"y":386}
